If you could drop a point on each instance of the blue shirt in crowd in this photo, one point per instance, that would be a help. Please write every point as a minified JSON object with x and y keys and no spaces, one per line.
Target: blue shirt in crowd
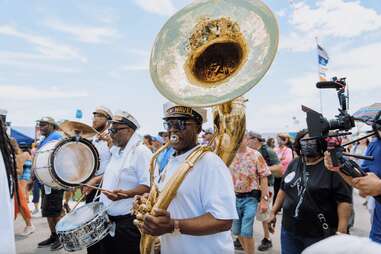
{"x":55,"y":135}
{"x":164,"y":158}
{"x":374,"y":149}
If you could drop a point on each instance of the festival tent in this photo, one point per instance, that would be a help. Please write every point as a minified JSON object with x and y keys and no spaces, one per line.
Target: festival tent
{"x":22,"y":139}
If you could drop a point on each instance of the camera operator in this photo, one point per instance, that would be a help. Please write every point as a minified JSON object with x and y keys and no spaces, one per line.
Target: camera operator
{"x":371,"y":183}
{"x":316,"y":203}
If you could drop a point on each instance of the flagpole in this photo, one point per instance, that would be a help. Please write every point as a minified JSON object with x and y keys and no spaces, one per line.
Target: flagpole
{"x":318,"y":65}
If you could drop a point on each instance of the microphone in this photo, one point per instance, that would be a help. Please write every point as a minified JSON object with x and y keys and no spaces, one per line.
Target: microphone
{"x":329,"y":84}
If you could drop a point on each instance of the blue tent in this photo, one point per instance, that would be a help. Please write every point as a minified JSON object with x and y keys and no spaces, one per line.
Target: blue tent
{"x":22,"y":139}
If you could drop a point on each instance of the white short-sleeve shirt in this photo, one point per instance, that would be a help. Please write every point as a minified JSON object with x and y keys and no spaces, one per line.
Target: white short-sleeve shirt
{"x":104,"y":155}
{"x":126,"y":170}
{"x":208,"y":188}
{"x":7,"y":235}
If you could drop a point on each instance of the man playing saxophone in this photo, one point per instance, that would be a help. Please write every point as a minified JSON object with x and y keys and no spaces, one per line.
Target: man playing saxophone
{"x":200,"y":215}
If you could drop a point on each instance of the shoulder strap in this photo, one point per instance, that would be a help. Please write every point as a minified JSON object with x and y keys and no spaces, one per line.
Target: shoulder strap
{"x":320,"y":215}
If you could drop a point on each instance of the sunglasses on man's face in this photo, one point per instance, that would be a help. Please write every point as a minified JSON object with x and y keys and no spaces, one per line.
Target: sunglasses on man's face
{"x":178,"y":124}
{"x":115,"y":130}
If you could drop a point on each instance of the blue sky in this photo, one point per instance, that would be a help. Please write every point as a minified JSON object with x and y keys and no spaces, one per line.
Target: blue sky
{"x":57,"y":56}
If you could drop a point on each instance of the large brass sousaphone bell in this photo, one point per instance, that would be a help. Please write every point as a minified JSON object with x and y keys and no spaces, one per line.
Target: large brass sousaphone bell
{"x":212,"y":52}
{"x":209,"y":54}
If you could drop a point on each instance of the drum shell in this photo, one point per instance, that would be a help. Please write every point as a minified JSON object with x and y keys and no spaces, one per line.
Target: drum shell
{"x":88,"y":233}
{"x":42,"y":165}
{"x":46,"y":158}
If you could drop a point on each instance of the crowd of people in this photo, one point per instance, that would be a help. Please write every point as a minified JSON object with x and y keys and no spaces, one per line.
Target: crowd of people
{"x":215,"y":203}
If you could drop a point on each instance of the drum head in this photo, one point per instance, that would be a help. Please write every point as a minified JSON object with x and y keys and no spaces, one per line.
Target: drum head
{"x":74,"y":162}
{"x":79,"y":216}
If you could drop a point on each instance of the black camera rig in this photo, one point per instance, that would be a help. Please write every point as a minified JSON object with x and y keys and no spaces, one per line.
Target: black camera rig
{"x":328,"y":131}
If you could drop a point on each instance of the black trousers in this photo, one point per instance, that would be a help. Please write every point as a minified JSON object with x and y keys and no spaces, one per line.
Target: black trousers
{"x":126,"y":239}
{"x":277,"y":182}
{"x":94,"y":249}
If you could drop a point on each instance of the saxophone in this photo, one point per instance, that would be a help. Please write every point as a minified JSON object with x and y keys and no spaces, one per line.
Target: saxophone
{"x":212,"y":63}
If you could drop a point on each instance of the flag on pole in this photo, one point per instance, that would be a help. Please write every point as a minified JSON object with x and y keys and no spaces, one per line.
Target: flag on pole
{"x":323,"y":62}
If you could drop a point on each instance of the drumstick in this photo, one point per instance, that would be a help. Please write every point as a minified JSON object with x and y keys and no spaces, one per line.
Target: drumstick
{"x":79,"y":200}
{"x":96,"y":188}
{"x":104,"y":190}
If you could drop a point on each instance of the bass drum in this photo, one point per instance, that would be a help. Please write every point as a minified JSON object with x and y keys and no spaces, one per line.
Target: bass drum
{"x":67,"y":163}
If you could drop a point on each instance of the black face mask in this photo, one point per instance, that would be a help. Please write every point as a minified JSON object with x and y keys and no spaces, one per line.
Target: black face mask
{"x":310,"y":148}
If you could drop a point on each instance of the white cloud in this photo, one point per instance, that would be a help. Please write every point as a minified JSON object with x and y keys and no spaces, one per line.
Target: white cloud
{"x":281,"y":13}
{"x":47,"y":47}
{"x":32,"y":93}
{"x":140,"y":52}
{"x":303,"y":85}
{"x":88,"y":34}
{"x":118,"y":73}
{"x":356,"y":64}
{"x":33,"y":62}
{"x":21,"y":56}
{"x":142,"y":64}
{"x":136,"y":67}
{"x":361,"y":56}
{"x":160,"y":7}
{"x":105,"y":15}
{"x":360,"y":65}
{"x":328,"y":18}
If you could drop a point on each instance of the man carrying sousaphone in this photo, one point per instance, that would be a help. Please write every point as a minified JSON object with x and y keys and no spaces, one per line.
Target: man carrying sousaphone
{"x":200,"y":216}
{"x":126,"y":175}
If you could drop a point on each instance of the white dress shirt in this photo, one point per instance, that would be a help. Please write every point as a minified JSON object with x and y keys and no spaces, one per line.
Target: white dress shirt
{"x":207,"y":188}
{"x":104,"y":155}
{"x":127,"y":169}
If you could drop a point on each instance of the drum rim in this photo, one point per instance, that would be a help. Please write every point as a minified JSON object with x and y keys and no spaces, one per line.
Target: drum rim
{"x":103,"y":214}
{"x":61,"y":186}
{"x":75,"y":139}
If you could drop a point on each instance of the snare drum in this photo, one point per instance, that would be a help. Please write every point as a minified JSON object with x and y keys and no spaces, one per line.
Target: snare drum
{"x":65,"y":164}
{"x":83,"y":227}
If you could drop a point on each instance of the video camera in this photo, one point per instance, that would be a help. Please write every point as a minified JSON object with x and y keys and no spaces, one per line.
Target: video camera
{"x":328,"y":131}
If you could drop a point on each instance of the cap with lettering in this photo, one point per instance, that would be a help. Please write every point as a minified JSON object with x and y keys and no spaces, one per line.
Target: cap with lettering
{"x":172,"y":110}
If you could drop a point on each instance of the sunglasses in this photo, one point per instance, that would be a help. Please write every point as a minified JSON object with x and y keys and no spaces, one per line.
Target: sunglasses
{"x":178,"y":124}
{"x":115,"y":130}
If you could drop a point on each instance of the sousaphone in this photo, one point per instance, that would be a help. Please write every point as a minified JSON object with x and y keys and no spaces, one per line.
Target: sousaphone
{"x":208,"y":55}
